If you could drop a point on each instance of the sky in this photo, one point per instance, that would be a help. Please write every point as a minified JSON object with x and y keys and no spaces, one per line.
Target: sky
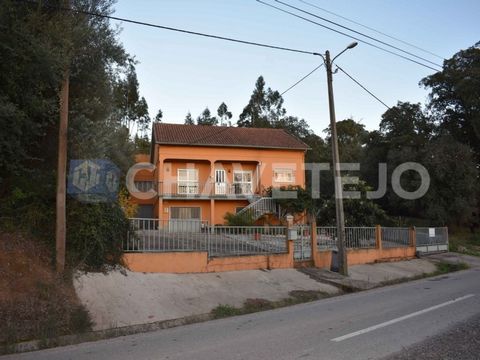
{"x":179,"y":73}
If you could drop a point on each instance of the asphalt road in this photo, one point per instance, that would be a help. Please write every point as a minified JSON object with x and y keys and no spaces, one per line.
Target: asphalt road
{"x":365,"y":325}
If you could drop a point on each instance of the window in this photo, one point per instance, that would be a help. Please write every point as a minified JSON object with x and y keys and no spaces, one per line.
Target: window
{"x":185,"y":213}
{"x":145,"y":211}
{"x":242,"y":182}
{"x":144,"y":186}
{"x":187,"y":181}
{"x":283,"y":175}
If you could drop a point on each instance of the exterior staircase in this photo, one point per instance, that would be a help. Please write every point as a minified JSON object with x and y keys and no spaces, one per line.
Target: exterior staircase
{"x":259,"y":206}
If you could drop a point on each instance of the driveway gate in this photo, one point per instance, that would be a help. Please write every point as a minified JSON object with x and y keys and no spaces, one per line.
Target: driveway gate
{"x":431,"y":239}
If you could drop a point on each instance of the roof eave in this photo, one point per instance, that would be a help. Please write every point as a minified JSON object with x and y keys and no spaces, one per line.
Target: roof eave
{"x":233,"y":146}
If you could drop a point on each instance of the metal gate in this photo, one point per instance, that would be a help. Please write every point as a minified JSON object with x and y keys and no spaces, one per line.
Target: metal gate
{"x":431,"y":239}
{"x":302,"y":245}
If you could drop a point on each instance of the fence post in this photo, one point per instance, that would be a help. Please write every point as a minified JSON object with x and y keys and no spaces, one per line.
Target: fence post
{"x":413,"y":237}
{"x":378,"y":236}
{"x":445,"y":229}
{"x":289,"y":239}
{"x":313,"y":237}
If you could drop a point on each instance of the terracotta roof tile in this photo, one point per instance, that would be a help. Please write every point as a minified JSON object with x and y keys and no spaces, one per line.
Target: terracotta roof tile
{"x":223,"y":136}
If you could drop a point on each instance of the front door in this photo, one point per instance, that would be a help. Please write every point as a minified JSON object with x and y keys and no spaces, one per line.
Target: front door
{"x":220,"y":184}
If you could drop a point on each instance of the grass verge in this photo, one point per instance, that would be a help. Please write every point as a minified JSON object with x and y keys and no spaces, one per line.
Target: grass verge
{"x":465,"y":243}
{"x":256,"y":305}
{"x":443,"y":267}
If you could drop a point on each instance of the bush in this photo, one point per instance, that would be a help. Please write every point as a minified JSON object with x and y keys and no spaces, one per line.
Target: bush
{"x":244,"y":219}
{"x":95,"y":233}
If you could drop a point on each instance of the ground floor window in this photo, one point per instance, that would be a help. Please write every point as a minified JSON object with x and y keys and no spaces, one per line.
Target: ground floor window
{"x":185,"y":213}
{"x":145,"y":212}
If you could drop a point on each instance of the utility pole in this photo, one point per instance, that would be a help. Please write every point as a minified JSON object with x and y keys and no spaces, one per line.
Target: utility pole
{"x":342,"y":254}
{"x":61,"y":228}
{"x":337,"y":179}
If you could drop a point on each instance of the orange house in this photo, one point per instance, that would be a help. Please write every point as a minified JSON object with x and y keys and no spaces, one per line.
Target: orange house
{"x":202,"y":172}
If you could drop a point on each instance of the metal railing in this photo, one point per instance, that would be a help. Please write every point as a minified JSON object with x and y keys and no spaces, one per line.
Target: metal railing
{"x":247,"y":240}
{"x":360,"y":238}
{"x":153,"y":235}
{"x":395,"y":237}
{"x":145,"y":185}
{"x":327,"y":237}
{"x":302,"y":245}
{"x":184,"y":188}
{"x":261,"y":206}
{"x":174,"y":188}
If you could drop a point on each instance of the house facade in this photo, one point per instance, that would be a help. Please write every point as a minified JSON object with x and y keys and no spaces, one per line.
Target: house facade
{"x":202,"y":172}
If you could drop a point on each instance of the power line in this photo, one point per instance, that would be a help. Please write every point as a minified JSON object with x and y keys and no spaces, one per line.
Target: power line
{"x":372,"y":29}
{"x":303,"y":78}
{"x":348,"y":35}
{"x":356,"y":32}
{"x":363,"y":87}
{"x":218,"y":37}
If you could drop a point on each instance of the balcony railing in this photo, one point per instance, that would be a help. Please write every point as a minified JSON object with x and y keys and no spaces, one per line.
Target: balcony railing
{"x":204,"y":189}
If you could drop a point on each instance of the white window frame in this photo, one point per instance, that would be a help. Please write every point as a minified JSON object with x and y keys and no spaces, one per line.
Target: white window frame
{"x":188,"y":184}
{"x":284,"y":172}
{"x":244,"y":184}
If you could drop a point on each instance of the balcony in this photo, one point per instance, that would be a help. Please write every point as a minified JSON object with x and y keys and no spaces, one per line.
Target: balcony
{"x":206,"y":190}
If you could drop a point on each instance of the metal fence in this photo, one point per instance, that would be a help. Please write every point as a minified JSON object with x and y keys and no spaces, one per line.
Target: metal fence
{"x":246,"y":240}
{"x":153,"y":235}
{"x":360,"y":238}
{"x":431,"y":239}
{"x":302,"y":245}
{"x":355,"y":238}
{"x":393,"y":237}
{"x":327,"y":238}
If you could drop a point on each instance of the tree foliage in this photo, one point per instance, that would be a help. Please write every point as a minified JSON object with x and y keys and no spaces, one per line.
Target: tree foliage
{"x":455,"y":97}
{"x":206,"y":118}
{"x":37,"y":44}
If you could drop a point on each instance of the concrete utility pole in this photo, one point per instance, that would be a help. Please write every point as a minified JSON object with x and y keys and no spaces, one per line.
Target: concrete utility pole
{"x":61,"y":228}
{"x":342,"y":253}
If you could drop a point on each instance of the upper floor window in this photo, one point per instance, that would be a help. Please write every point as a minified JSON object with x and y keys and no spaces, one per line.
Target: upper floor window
{"x":144,"y":186}
{"x":242,"y":182}
{"x":187,"y":181}
{"x":283,"y":175}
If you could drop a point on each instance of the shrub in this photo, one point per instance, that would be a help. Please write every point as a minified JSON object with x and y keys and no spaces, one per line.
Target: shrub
{"x":95,"y":233}
{"x":244,"y":219}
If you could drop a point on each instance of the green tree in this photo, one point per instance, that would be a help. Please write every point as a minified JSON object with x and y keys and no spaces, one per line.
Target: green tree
{"x":264,"y":108}
{"x":455,"y":97}
{"x":404,"y":132}
{"x":224,"y":115}
{"x":189,"y":120}
{"x":352,"y":138}
{"x":159,"y":116}
{"x":451,"y":198}
{"x":358,"y":212}
{"x":206,"y":118}
{"x":104,"y":101}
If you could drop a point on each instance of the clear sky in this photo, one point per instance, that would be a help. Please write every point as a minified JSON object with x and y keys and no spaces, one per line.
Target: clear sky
{"x":180,"y":73}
